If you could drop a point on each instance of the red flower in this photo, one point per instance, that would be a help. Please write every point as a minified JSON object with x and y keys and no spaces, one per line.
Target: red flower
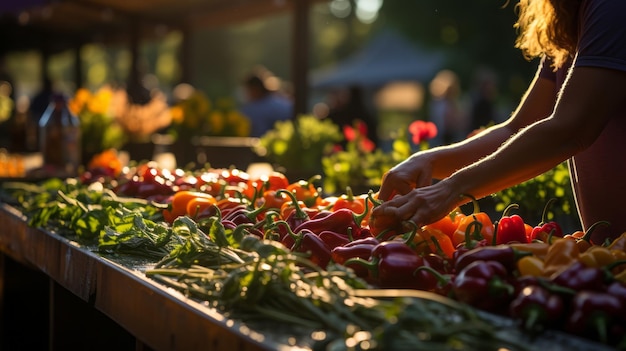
{"x":349,"y":132}
{"x":358,"y":134}
{"x":422,"y":131}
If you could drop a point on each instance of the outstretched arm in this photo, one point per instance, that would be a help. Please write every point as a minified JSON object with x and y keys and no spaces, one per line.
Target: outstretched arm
{"x":438,"y":163}
{"x":582,"y":111}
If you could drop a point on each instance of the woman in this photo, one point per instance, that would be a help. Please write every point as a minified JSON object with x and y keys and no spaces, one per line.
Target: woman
{"x":574,"y":109}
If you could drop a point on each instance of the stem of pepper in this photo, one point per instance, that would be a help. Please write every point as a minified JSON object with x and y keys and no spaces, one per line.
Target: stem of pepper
{"x":474,"y":227}
{"x":494,"y":242}
{"x":544,"y":214}
{"x":299,"y":214}
{"x":509,"y":208}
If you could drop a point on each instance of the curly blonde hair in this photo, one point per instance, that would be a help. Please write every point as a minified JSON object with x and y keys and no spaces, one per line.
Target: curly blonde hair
{"x":548,"y":27}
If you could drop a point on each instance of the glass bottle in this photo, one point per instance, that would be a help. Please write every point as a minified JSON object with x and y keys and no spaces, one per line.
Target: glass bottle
{"x":59,"y":136}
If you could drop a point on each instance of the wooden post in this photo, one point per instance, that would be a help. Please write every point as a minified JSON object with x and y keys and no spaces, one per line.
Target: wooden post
{"x":300,"y":60}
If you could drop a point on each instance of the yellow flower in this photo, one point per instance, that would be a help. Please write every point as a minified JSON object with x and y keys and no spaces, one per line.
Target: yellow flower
{"x":101,"y":101}
{"x":80,"y":99}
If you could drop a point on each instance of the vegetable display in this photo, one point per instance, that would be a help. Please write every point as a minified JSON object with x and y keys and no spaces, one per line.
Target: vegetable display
{"x":268,"y":248}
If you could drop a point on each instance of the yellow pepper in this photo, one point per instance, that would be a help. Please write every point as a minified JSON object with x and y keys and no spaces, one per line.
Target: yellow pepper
{"x":561,"y":254}
{"x":597,"y":257}
{"x":530,"y":266}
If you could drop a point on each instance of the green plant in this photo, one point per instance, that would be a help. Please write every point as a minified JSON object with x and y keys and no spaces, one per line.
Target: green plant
{"x":360,"y":166}
{"x":300,"y":144}
{"x":533,"y":195}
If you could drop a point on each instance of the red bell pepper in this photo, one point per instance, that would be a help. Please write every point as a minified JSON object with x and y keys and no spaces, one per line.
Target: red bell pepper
{"x":545,"y":229}
{"x":537,"y":307}
{"x":505,"y":255}
{"x":484,"y":285}
{"x":393,"y":264}
{"x":511,"y":228}
{"x":360,"y":248}
{"x":593,"y":314}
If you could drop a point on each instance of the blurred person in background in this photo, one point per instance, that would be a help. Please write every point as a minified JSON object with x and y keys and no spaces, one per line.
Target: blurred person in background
{"x":483,"y":100}
{"x":574,"y":109}
{"x":445,"y":108}
{"x":264,"y":103}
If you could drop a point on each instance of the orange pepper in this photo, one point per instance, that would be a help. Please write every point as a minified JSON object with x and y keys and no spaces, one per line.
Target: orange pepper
{"x":486,"y":230}
{"x":180,"y":200}
{"x":199,"y":205}
{"x":438,"y":242}
{"x":349,"y":201}
{"x":305,"y":191}
{"x":449,"y":223}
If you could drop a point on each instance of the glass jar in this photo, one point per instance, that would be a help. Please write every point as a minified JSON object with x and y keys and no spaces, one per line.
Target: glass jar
{"x":59,"y":136}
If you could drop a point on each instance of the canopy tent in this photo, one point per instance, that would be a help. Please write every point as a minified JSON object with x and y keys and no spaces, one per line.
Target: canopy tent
{"x":388,"y":57}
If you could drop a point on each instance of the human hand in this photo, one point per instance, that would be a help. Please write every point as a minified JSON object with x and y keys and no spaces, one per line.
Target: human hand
{"x":413,"y":172}
{"x":422,"y":206}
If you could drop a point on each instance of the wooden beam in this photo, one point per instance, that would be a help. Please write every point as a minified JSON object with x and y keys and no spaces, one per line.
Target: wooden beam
{"x":300,"y":55}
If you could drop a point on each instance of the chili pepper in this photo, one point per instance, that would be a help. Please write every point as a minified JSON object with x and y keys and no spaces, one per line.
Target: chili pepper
{"x":484,"y":285}
{"x":530,"y":266}
{"x":503,"y":254}
{"x":305,"y":191}
{"x":360,"y":248}
{"x":382,"y":227}
{"x":308,"y":242}
{"x":593,"y":313}
{"x":349,"y":201}
{"x":271,"y":199}
{"x":536,"y":307}
{"x":444,"y":282}
{"x":487,"y":229}
{"x":297,"y":216}
{"x":393,"y":264}
{"x":545,"y":227}
{"x":243,"y":215}
{"x":437,"y":241}
{"x":472,"y":240}
{"x":333,"y":239}
{"x":561,"y":254}
{"x":511,"y":228}
{"x":338,"y":222}
{"x":199,"y":205}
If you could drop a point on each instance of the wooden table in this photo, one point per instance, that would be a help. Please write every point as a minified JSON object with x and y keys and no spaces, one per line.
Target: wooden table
{"x":154,"y":316}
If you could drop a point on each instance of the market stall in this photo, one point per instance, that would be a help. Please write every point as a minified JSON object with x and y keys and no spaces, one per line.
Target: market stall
{"x":179,"y":277}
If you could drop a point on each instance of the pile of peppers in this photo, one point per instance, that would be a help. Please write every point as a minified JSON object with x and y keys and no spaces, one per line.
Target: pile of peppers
{"x":537,"y":275}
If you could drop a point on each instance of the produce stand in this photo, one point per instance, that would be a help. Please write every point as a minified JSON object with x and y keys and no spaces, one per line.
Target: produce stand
{"x":157,"y":317}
